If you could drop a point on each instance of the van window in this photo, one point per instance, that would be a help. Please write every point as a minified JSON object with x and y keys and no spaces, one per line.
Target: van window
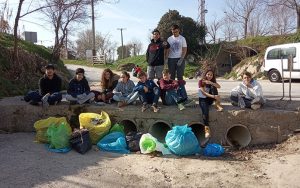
{"x":277,"y":53}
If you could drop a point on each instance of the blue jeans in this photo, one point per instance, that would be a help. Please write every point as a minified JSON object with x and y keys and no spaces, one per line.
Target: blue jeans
{"x":150,"y":97}
{"x":128,"y":99}
{"x":36,"y":97}
{"x":176,"y":71}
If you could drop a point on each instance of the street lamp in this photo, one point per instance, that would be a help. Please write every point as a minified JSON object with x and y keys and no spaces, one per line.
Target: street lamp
{"x":121,"y":29}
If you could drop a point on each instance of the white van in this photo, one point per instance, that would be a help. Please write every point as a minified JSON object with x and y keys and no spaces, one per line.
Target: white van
{"x":272,"y":61}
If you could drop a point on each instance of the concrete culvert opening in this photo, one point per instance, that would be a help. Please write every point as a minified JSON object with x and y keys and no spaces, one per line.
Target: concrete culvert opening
{"x":198,"y":130}
{"x":238,"y":136}
{"x":129,"y":126}
{"x":159,"y":130}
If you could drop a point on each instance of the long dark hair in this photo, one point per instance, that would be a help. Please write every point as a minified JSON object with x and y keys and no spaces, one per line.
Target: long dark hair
{"x":105,"y":84}
{"x":204,"y":76}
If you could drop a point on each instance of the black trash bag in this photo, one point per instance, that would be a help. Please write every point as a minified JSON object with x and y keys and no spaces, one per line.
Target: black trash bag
{"x":133,"y":140}
{"x":80,"y":141}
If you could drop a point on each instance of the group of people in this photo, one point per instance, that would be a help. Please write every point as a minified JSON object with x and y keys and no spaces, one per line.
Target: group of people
{"x":160,"y":54}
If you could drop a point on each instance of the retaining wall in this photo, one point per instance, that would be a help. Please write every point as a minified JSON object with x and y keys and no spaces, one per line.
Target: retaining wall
{"x":265,"y":125}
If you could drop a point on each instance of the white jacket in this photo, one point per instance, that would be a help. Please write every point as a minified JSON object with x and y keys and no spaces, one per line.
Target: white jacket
{"x":247,"y":92}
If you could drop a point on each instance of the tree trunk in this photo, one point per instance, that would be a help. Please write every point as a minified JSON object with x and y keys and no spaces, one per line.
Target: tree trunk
{"x":246,"y":28}
{"x":15,"y":55}
{"x":298,"y":19}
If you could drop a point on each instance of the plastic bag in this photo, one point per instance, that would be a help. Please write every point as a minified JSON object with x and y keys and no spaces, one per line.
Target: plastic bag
{"x":59,"y":135}
{"x":61,"y":150}
{"x":97,"y":124}
{"x":113,"y":142}
{"x":213,"y":150}
{"x":133,"y":140}
{"x":149,"y":144}
{"x":182,"y":141}
{"x":117,"y":128}
{"x":80,"y":141}
{"x":42,"y":125}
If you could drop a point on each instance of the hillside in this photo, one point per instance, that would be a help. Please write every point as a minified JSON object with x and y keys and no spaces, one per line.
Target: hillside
{"x":32,"y":60}
{"x":253,"y":64}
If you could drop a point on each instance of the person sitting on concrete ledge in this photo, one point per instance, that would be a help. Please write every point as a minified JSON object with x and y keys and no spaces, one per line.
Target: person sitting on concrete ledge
{"x":169,"y":91}
{"x":248,"y":94}
{"x":109,"y":81}
{"x":123,"y":93}
{"x":79,"y":90}
{"x":148,"y":92}
{"x":49,"y":89}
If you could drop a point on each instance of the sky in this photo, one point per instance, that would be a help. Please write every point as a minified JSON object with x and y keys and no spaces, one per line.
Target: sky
{"x":138,"y":17}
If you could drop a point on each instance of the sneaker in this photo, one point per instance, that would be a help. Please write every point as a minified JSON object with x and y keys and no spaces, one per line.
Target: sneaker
{"x":144,"y":107}
{"x":181,"y":106}
{"x":155,"y":108}
{"x":121,"y":104}
{"x":219,"y":108}
{"x":189,"y":103}
{"x":207,"y":131}
{"x":255,"y":106}
{"x":45,"y":103}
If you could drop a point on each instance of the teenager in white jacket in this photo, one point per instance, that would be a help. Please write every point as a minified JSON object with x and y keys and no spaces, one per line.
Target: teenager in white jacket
{"x":248,"y":94}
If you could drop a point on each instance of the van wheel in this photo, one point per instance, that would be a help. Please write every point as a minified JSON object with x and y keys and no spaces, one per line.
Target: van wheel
{"x":274,"y":76}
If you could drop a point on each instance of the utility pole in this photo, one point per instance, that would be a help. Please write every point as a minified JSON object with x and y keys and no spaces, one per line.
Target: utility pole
{"x":134,"y":49}
{"x":121,"y":29}
{"x":93,"y":28}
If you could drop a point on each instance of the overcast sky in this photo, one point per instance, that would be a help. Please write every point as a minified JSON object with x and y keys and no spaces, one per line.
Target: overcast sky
{"x":139,"y":17}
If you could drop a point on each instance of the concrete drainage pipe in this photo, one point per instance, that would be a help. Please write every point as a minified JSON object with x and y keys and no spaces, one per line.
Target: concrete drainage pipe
{"x":198,"y":130}
{"x":129,"y":126}
{"x":238,"y":136}
{"x":159,"y":130}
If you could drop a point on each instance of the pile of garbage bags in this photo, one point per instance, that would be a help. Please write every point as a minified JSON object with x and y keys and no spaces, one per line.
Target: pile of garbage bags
{"x":96,"y":129}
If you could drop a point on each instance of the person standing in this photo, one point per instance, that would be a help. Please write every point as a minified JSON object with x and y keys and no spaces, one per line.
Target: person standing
{"x":176,"y":53}
{"x":49,"y":89}
{"x":155,"y":56}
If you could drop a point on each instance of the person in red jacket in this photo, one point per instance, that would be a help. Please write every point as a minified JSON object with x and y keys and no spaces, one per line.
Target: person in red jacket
{"x":169,"y":91}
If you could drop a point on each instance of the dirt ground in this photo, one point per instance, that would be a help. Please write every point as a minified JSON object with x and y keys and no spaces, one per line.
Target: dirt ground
{"x":25,"y":163}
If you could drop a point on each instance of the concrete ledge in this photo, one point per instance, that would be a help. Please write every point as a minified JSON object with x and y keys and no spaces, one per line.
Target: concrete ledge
{"x":265,"y":125}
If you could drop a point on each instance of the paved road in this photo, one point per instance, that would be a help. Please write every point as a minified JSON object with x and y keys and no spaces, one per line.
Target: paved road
{"x":271,"y":90}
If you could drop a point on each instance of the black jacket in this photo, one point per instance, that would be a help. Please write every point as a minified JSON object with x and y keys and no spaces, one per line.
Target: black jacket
{"x":78,"y":87}
{"x":49,"y":86}
{"x":155,"y":52}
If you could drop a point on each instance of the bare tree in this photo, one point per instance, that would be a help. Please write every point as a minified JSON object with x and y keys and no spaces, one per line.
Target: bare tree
{"x":293,"y":5}
{"x":213,"y":28}
{"x":84,"y":42}
{"x":136,"y":46}
{"x":259,"y":23}
{"x":5,"y":15}
{"x":229,"y":29}
{"x":240,"y":11}
{"x":62,"y":14}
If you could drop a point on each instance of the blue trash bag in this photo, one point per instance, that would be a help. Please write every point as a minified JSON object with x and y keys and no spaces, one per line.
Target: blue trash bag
{"x":114,"y":142}
{"x":182,"y":141}
{"x":61,"y":150}
{"x":213,"y":150}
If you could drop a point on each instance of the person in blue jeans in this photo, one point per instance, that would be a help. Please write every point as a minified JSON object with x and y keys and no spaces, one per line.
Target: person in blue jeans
{"x":148,"y":92}
{"x":171,"y":91}
{"x":49,"y":89}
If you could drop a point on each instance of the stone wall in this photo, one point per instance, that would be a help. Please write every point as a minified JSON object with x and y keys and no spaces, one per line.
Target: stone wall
{"x":265,"y":125}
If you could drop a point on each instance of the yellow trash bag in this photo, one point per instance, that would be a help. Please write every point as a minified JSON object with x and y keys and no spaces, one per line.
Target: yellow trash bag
{"x":97,"y":124}
{"x":42,"y":125}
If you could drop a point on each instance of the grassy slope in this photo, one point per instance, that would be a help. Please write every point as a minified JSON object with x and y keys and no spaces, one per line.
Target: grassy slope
{"x":9,"y":87}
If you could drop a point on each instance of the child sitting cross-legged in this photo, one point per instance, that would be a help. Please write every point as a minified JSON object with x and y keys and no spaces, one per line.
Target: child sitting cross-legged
{"x":169,"y":91}
{"x":148,"y":92}
{"x":79,"y":90}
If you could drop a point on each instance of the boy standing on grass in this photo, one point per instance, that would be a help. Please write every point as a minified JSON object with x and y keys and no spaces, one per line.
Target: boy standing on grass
{"x":49,"y":89}
{"x":148,"y":92}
